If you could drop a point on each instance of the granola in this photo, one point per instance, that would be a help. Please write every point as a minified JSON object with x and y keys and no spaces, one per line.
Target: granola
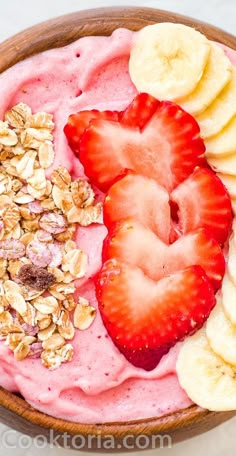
{"x":35,"y":277}
{"x":39,"y":260}
{"x":84,"y":315}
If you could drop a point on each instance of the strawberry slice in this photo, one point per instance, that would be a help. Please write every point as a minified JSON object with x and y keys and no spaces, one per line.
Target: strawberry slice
{"x":146,"y":358}
{"x":140,"y":314}
{"x":131,"y":242}
{"x":142,"y":199}
{"x":199,"y":201}
{"x":140,"y":111}
{"x":166,"y":149}
{"x":77,"y":123}
{"x":203,"y":201}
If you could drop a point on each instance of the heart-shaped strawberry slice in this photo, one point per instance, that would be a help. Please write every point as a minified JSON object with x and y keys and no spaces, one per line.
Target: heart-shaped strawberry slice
{"x":167,"y":148}
{"x":203,"y":201}
{"x":200,"y":201}
{"x":141,"y":314}
{"x":133,"y":243}
{"x":142,"y":199}
{"x":78,"y":122}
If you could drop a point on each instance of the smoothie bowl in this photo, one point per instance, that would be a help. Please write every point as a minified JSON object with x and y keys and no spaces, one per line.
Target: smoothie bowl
{"x":117,"y":249}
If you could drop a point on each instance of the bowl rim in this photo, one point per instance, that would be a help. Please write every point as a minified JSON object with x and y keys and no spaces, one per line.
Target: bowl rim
{"x":18,"y":47}
{"x":48,"y":35}
{"x":148,"y":426}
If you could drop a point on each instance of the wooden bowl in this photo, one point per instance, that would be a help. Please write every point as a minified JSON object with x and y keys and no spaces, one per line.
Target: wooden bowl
{"x":14,"y":410}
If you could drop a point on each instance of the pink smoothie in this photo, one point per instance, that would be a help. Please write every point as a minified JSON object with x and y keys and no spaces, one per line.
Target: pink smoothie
{"x":99,"y":385}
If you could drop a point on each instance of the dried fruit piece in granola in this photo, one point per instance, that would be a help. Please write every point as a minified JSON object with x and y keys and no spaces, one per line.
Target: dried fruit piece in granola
{"x":36,"y":277}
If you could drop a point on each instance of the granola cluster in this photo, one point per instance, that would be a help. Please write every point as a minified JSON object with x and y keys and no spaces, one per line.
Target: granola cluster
{"x":39,"y":260}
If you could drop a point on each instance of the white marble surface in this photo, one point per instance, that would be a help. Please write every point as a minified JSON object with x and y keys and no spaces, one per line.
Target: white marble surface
{"x":16,"y":15}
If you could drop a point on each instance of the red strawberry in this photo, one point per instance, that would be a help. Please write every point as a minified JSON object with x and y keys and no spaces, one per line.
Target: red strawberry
{"x":140,"y":111}
{"x":77,"y":123}
{"x":146,"y":358}
{"x":167,"y":149}
{"x":132,"y":242}
{"x":199,"y":201}
{"x":142,"y":199}
{"x":203,"y":201}
{"x":140,"y":314}
{"x":152,"y":294}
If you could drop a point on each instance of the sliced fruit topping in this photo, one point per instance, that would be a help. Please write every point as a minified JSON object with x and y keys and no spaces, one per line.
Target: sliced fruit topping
{"x":221,"y":334}
{"x":224,"y":143}
{"x":204,"y":202}
{"x":233,"y":202}
{"x":145,"y":358}
{"x":131,"y":242}
{"x":175,"y":62}
{"x":224,"y":165}
{"x":142,"y":199}
{"x":210,"y":354}
{"x":216,"y":75}
{"x":167,"y":215}
{"x":199,"y":201}
{"x":232,"y":259}
{"x":167,"y":60}
{"x":221,"y":111}
{"x":167,"y":149}
{"x":140,"y":111}
{"x":229,"y":183}
{"x":141,"y":314}
{"x":78,"y":122}
{"x":228,"y":291}
{"x":207,"y":379}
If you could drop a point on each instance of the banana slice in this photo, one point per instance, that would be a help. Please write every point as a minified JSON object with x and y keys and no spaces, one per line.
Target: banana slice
{"x":223,"y":165}
{"x":228,"y":292}
{"x":224,"y":143}
{"x":233,"y":204}
{"x":221,"y":111}
{"x":229,"y":183}
{"x":232,"y":259}
{"x":207,"y":379}
{"x":168,"y":60}
{"x":221,"y":334}
{"x":217,"y":74}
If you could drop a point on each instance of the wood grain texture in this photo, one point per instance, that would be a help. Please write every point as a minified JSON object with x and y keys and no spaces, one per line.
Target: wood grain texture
{"x":14,"y":411}
{"x":102,"y":21}
{"x":19,"y":415}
